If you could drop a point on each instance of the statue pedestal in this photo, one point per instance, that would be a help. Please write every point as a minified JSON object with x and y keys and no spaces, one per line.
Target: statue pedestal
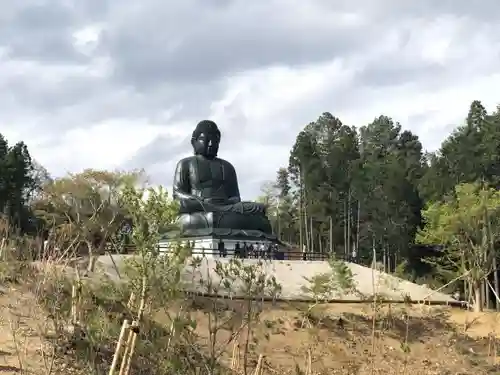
{"x":203,"y":246}
{"x":203,"y":232}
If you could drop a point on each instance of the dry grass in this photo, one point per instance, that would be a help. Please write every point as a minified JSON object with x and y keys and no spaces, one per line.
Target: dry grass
{"x":334,"y":338}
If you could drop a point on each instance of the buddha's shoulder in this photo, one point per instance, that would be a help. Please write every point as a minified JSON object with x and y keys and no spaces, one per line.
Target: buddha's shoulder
{"x":186,"y":160}
{"x":223,"y":161}
{"x":227,"y":165}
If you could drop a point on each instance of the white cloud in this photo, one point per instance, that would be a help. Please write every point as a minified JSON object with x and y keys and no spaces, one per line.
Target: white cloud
{"x":86,"y":40}
{"x":99,"y":146}
{"x":101,"y":84}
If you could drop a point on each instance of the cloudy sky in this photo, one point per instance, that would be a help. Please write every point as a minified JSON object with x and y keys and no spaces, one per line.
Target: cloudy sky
{"x":122,"y":83}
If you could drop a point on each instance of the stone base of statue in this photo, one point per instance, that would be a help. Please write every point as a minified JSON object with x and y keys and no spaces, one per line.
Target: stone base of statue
{"x":218,"y":234}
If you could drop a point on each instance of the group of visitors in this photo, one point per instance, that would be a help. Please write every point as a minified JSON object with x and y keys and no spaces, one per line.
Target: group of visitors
{"x":252,"y":250}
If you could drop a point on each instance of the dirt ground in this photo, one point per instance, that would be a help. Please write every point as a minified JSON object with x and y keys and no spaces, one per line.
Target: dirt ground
{"x":22,"y":326}
{"x":408,"y":339}
{"x":416,"y":340}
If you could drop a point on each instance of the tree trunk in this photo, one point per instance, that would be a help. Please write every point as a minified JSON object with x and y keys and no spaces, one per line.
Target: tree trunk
{"x":349,"y":251}
{"x":320,"y":244}
{"x":384,"y":259}
{"x":92,"y":257}
{"x":466,"y":291}
{"x":486,"y":299}
{"x":493,"y":254}
{"x":357,"y":229}
{"x":331,"y":235}
{"x":467,"y":285}
{"x":495,"y":281}
{"x":301,"y":237}
{"x":305,"y":211}
{"x":389,"y":263}
{"x":486,"y":247}
{"x":374,"y":253}
{"x":478,"y":305}
{"x":306,"y":230}
{"x":312,"y":233}
{"x":486,"y":291}
{"x":279,"y":221}
{"x":345,"y":229}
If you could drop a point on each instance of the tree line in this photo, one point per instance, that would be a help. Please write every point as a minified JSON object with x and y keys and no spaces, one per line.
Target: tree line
{"x":62,"y":217}
{"x":372,"y":192}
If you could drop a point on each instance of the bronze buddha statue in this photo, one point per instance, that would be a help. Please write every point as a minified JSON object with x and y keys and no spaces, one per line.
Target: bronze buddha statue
{"x":207,"y":190}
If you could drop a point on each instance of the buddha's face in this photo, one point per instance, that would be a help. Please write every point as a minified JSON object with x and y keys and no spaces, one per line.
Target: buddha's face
{"x":207,"y":143}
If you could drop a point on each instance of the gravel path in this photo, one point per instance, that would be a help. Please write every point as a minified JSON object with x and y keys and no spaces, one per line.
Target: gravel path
{"x":292,"y":275}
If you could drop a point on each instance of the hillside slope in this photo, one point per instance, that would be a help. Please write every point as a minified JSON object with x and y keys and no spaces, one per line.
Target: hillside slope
{"x":340,"y":338}
{"x":293,"y":275}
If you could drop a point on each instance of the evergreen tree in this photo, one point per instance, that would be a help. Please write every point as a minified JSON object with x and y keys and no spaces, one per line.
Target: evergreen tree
{"x":15,"y":182}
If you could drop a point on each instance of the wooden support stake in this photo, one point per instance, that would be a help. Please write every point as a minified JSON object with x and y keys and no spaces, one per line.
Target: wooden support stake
{"x":135,"y":325}
{"x":235,"y":360}
{"x":126,"y":353}
{"x":493,"y":290}
{"x":309,"y":362}
{"x":74,"y":304}
{"x":258,"y":369}
{"x":119,"y":345}
{"x":2,"y":245}
{"x":79,"y":317}
{"x":131,"y":349}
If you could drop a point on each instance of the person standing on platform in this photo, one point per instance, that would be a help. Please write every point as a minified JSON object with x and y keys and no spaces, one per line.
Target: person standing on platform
{"x":222,"y":249}
{"x":250,"y":253}
{"x":262,"y":250}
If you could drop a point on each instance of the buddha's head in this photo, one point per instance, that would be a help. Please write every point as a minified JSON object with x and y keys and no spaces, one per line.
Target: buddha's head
{"x":206,"y":139}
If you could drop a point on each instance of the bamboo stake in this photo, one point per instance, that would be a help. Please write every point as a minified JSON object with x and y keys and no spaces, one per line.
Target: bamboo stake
{"x":79,"y":313}
{"x":494,"y":349}
{"x":494,"y":337}
{"x":235,"y":360}
{"x":309,"y":362}
{"x":493,"y":290}
{"x":131,"y":348}
{"x":2,"y":245}
{"x":444,"y":286}
{"x":125,"y":326}
{"x":74,"y":307}
{"x":126,"y":353}
{"x":135,"y":325}
{"x":76,"y":291}
{"x":258,"y":369}
{"x":171,"y":334}
{"x":233,"y":357}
